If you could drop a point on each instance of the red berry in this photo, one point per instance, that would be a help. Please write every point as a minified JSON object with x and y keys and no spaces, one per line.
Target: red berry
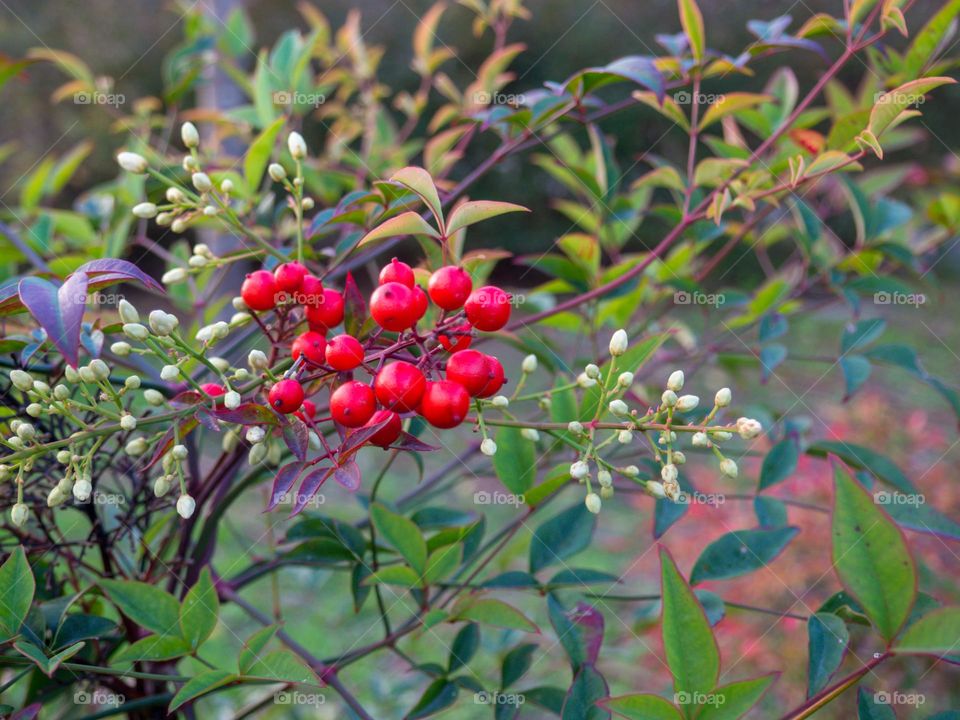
{"x":488,"y":308}
{"x":495,"y":377}
{"x":352,"y":404}
{"x":444,"y":404}
{"x":307,"y":410}
{"x":420,"y":302}
{"x":289,"y":276}
{"x":311,"y":345}
{"x":399,"y":386}
{"x":393,"y":306}
{"x":311,"y":291}
{"x":286,"y":396}
{"x":327,"y":313}
{"x":397,"y":271}
{"x":456,"y":338}
{"x":389,"y":433}
{"x":344,"y":352}
{"x":470,"y":369}
{"x":449,"y":287}
{"x":259,"y":290}
{"x":212,"y":389}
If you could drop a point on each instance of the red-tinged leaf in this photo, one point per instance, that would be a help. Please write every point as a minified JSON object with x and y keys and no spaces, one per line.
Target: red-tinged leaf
{"x":27,"y":713}
{"x":354,"y":306}
{"x":59,"y":311}
{"x":411,"y":444}
{"x":206,"y":418}
{"x":309,"y":487}
{"x":296,"y":436}
{"x":249,"y":413}
{"x":106,"y":271}
{"x":286,"y":477}
{"x":186,"y":398}
{"x":355,"y":440}
{"x":590,"y":622}
{"x":348,"y":475}
{"x":186,"y":427}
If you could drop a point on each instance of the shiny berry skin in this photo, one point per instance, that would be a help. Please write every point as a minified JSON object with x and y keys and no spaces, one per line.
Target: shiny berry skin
{"x":456,"y":338}
{"x":352,"y":404}
{"x":393,"y":307}
{"x":495,"y":378}
{"x":470,"y":369}
{"x":388,"y":434}
{"x":397,"y":271}
{"x":213,"y":390}
{"x":420,"y":301}
{"x":310,"y":293}
{"x":444,"y":404}
{"x":344,"y":352}
{"x":399,"y":386}
{"x":259,"y":290}
{"x":286,"y":396}
{"x":326,"y":314}
{"x":488,"y":308}
{"x":289,"y":276}
{"x":311,"y":345}
{"x":308,"y":410}
{"x":449,"y":287}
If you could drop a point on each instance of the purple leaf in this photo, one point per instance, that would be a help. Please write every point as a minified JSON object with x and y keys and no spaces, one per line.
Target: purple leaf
{"x":348,"y":475}
{"x":358,"y":438}
{"x":248,"y":414}
{"x":412,"y":444}
{"x":286,"y":477}
{"x":206,"y":418}
{"x":590,"y":622}
{"x":355,"y":307}
{"x":110,"y":270}
{"x":27,"y":713}
{"x":296,"y":436}
{"x":59,"y":311}
{"x":309,"y":487}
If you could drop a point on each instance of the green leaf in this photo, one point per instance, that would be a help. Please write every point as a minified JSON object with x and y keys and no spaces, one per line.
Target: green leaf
{"x":17,"y":586}
{"x":692,"y":21}
{"x":146,"y":605}
{"x":871,"y":556}
{"x":587,"y":688}
{"x":515,"y":461}
{"x":856,"y":371}
{"x":779,"y":464}
{"x":281,"y":666}
{"x":729,"y":103}
{"x":642,"y":706}
{"x":402,"y":533}
{"x":154,"y":647}
{"x":735,"y":699}
{"x":888,"y":106}
{"x":258,"y":154}
{"x":408,"y":223}
{"x":442,"y":563}
{"x":48,"y":665}
{"x":688,"y":641}
{"x":464,"y":647}
{"x":200,"y":685}
{"x":936,"y":633}
{"x":440,"y":694}
{"x":478,"y":210}
{"x":515,"y":664}
{"x":912,"y":511}
{"x":201,"y":607}
{"x":394,"y":575}
{"x":254,"y":646}
{"x":870,"y":707}
{"x":827,"y":642}
{"x":926,"y":42}
{"x":562,"y":536}
{"x":863,"y":458}
{"x":419,"y":181}
{"x":740,"y":552}
{"x":491,"y":611}
{"x":770,"y":512}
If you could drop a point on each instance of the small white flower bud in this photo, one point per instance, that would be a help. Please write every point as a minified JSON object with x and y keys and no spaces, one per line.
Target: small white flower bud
{"x":255,"y":435}
{"x":668,"y":398}
{"x":61,"y":392}
{"x":257,"y":361}
{"x":297,"y":145}
{"x":101,"y":371}
{"x":121,"y":348}
{"x":618,"y":408}
{"x":186,"y":506}
{"x":721,"y":436}
{"x":197,"y":261}
{"x":606,"y":492}
{"x":655,"y":489}
{"x":625,"y":379}
{"x":161,"y":486}
{"x":631,"y":471}
{"x":488,"y":447}
{"x":82,"y":489}
{"x":625,"y":437}
{"x":529,"y":364}
{"x":686,"y":403}
{"x":135,"y":331}
{"x":604,"y":478}
{"x":579,"y":469}
{"x":584,"y":381}
{"x":257,"y":454}
{"x":41,"y":387}
{"x":201,"y":181}
{"x":128,"y":422}
{"x":226,"y":187}
{"x":575,"y":426}
{"x":19,"y":514}
{"x":71,"y":374}
{"x":145,"y":210}
{"x":728,"y":467}
{"x":675,"y":381}
{"x":131,"y":162}
{"x":618,"y":343}
{"x":307,"y":203}
{"x":55,"y":497}
{"x":176,"y":196}
{"x":165,"y":219}
{"x":723,"y":397}
{"x":231,"y":400}
{"x":137,"y":446}
{"x":239,"y":304}
{"x":700,"y":439}
{"x":174,"y":276}
{"x":669,"y":473}
{"x":239,"y":319}
{"x":169,"y":372}
{"x":189,"y":135}
{"x":179,"y":452}
{"x":592,"y":371}
{"x":132,"y":382}
{"x":21,"y":380}
{"x":179,"y":226}
{"x":672,"y":490}
{"x":34,"y":410}
{"x":86,"y":374}
{"x":241,"y":374}
{"x":593,"y":502}
{"x":26,"y":431}
{"x":530,"y":434}
{"x":276,"y":172}
{"x":208,"y":211}
{"x":153,"y":397}
{"x":15,"y":442}
{"x":63,"y":456}
{"x":190,"y":163}
{"x":679,"y":458}
{"x":500,"y":401}
{"x":748,"y":428}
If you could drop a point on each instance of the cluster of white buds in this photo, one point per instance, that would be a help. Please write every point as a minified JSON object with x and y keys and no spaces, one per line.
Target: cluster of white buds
{"x":202,"y":256}
{"x":210,"y":334}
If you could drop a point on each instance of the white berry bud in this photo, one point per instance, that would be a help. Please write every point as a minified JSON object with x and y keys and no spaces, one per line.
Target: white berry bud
{"x":488,"y":447}
{"x":500,"y":401}
{"x":669,"y":473}
{"x":592,"y":371}
{"x":161,"y":486}
{"x":276,"y":172}
{"x":82,"y":489}
{"x":189,"y":135}
{"x":619,"y":342}
{"x":232,"y":400}
{"x":121,"y":348}
{"x":186,"y":506}
{"x":226,"y":187}
{"x":655,"y":489}
{"x":625,"y":379}
{"x":679,"y":458}
{"x":631,"y":471}
{"x":255,"y":435}
{"x":71,"y":374}
{"x":668,"y":398}
{"x":618,"y":408}
{"x":19,"y":514}
{"x":257,"y":361}
{"x":700,"y":439}
{"x":686,"y":403}
{"x":63,"y":456}
{"x":257,"y":453}
{"x":179,"y":452}
{"x":101,"y":370}
{"x":145,"y":210}
{"x":128,"y":422}
{"x":61,"y":392}
{"x":604,"y":478}
{"x":174,"y":276}
{"x":723,"y":397}
{"x":26,"y":431}
{"x":135,"y":331}
{"x":34,"y":409}
{"x":132,"y":382}
{"x":137,"y":446}
{"x":176,"y":196}
{"x":153,"y":397}
{"x":297,"y":145}
{"x":530,"y":434}
{"x":529,"y":364}
{"x":21,"y":380}
{"x":239,"y":319}
{"x":721,"y":435}
{"x":579,"y":470}
{"x":307,"y":203}
{"x":131,"y":162}
{"x":728,"y":467}
{"x":87,"y":375}
{"x":584,"y":381}
{"x":748,"y":428}
{"x":675,"y":382}
{"x":625,"y":437}
{"x":201,"y":181}
{"x":575,"y":426}
{"x":169,"y":372}
{"x":593,"y":502}
{"x":239,"y":304}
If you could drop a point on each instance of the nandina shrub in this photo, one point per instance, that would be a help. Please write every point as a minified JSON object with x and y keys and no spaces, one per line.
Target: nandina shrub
{"x":392,"y":482}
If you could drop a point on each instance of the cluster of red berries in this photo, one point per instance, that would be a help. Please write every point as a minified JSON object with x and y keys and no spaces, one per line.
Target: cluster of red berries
{"x":399,"y":386}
